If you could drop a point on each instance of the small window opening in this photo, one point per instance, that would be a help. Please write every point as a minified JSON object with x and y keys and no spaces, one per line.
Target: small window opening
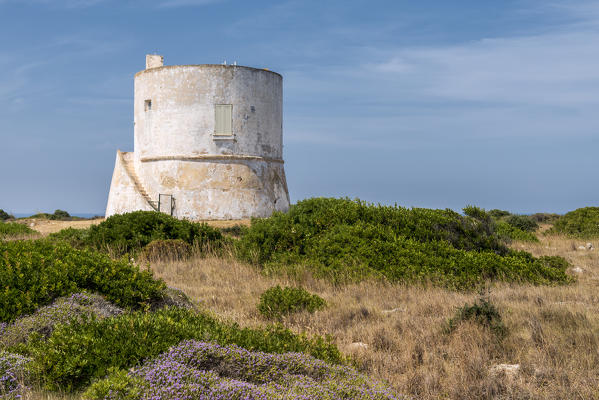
{"x":148,"y":105}
{"x":224,"y":119}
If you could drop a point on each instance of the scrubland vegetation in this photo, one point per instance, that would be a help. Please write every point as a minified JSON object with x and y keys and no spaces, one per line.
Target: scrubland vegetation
{"x":334,"y":299}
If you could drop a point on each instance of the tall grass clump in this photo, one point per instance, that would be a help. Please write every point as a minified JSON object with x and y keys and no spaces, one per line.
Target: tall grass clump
{"x":34,"y":273}
{"x":582,"y":223}
{"x":77,"y":353}
{"x":345,"y":240}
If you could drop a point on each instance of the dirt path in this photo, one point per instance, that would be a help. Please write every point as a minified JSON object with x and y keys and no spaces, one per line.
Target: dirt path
{"x":46,"y":226}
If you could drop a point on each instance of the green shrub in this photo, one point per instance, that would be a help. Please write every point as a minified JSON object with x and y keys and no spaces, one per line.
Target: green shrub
{"x":60,"y":215}
{"x":166,"y":250}
{"x":583,"y":222}
{"x":11,"y":229}
{"x":523,"y":222}
{"x":495,"y":213}
{"x":545,"y":218}
{"x":276,"y":301}
{"x":344,"y":240}
{"x":74,"y":237}
{"x":4,"y":215}
{"x":77,"y":353}
{"x":296,"y":230}
{"x":129,"y":232}
{"x":504,"y":229}
{"x":33,"y":273}
{"x":483,"y":312}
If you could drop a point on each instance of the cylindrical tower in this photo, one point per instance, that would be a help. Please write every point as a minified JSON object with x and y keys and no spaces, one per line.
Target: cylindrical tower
{"x":208,"y":136}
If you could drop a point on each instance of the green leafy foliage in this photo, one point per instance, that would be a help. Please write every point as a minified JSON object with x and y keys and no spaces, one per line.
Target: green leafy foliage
{"x":496,"y":213}
{"x":132,"y":231}
{"x":58,"y":215}
{"x":11,"y":229}
{"x":504,"y":229}
{"x":523,"y":222}
{"x":583,"y":222}
{"x":77,"y":353}
{"x":482,"y":312}
{"x":4,"y":215}
{"x":344,"y":240}
{"x":74,"y":237}
{"x":276,"y":301}
{"x":33,"y":273}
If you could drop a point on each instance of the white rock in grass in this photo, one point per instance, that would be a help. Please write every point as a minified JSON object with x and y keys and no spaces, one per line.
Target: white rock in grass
{"x":577,"y":270}
{"x":510,"y":370}
{"x":358,"y":346}
{"x":582,"y":248}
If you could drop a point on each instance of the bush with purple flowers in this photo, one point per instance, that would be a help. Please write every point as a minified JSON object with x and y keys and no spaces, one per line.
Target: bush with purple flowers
{"x":61,"y":311}
{"x":199,"y":370}
{"x":76,"y":354}
{"x":13,"y":371}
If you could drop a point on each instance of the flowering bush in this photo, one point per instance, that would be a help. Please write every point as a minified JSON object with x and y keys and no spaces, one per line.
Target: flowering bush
{"x":13,"y":371}
{"x":82,"y":351}
{"x":62,"y":311}
{"x":199,"y":370}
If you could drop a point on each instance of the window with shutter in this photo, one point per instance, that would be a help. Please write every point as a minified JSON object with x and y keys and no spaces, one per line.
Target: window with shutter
{"x":224,"y":120}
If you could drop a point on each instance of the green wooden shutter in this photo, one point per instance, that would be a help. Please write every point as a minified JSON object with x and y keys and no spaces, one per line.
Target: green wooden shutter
{"x":224,"y":119}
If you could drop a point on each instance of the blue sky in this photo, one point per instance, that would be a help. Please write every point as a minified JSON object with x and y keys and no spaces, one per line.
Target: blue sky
{"x":430,"y":104}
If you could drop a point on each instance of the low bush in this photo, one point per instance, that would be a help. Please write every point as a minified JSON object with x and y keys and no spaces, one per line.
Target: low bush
{"x":345,"y":241}
{"x":482,"y":312}
{"x":505,"y":230}
{"x":276,"y":301}
{"x":523,"y":222}
{"x":4,"y":215}
{"x":545,"y":218}
{"x":61,"y":311}
{"x":14,"y":229}
{"x":58,"y":215}
{"x":125,"y":233}
{"x":74,"y":237}
{"x":77,"y":353}
{"x":201,"y":370}
{"x":495,"y":213}
{"x":34,"y":273}
{"x":582,"y":223}
{"x":166,"y":250}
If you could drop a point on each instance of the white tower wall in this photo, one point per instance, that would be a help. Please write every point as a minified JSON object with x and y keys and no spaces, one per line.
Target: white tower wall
{"x":177,"y":152}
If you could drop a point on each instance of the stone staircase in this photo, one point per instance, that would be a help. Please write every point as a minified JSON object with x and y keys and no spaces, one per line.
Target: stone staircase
{"x":130,"y":168}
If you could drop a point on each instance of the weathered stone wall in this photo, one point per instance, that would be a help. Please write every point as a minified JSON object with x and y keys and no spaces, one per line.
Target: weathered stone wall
{"x":176,"y":152}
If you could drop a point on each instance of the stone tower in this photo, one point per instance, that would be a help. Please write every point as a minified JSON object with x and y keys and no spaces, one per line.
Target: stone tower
{"x":208,"y":143}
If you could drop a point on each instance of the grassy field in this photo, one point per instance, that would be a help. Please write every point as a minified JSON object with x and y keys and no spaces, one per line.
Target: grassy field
{"x":396,"y":332}
{"x":530,"y":332}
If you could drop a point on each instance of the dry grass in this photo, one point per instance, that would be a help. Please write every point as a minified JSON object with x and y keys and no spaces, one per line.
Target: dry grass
{"x":553,"y":331}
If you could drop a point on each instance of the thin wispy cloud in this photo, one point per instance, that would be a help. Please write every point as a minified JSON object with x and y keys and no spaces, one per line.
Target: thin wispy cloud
{"x":187,"y":3}
{"x":57,"y":3}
